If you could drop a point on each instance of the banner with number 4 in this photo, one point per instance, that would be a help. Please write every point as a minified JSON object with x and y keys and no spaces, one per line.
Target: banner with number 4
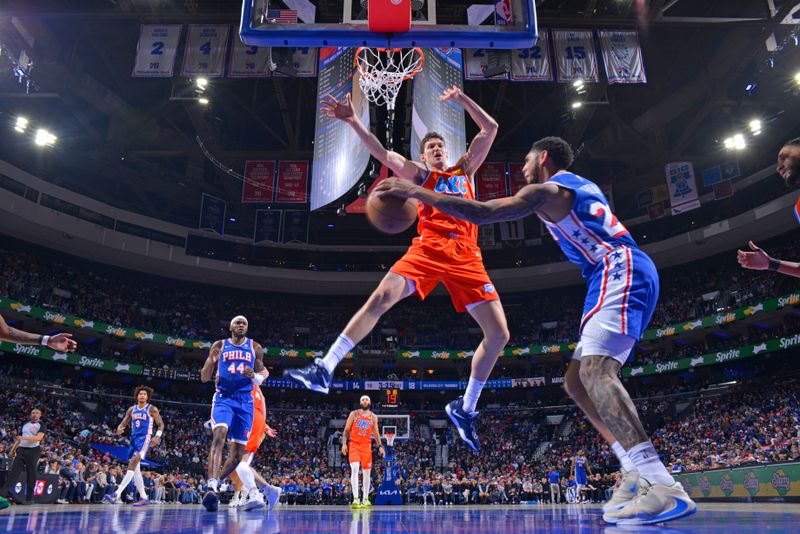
{"x":205,"y":50}
{"x":156,"y":51}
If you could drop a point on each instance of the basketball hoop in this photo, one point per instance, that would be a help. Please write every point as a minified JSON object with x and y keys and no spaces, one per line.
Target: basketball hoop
{"x":383,"y":71}
{"x":389,"y":438}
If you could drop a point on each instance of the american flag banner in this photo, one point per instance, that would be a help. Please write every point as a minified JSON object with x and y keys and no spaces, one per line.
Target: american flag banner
{"x":281,"y":16}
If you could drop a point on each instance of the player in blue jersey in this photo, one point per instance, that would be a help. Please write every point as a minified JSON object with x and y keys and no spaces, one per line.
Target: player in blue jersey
{"x":622,"y":294}
{"x":581,"y":472}
{"x":239,"y":363}
{"x":142,"y":416}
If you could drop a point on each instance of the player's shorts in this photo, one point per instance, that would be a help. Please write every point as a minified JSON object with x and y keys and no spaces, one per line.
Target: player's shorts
{"x":234,"y":412}
{"x":361,"y":454}
{"x":457,"y":263}
{"x":139,"y":445}
{"x":622,"y":296}
{"x":580,"y":478}
{"x":257,"y":431}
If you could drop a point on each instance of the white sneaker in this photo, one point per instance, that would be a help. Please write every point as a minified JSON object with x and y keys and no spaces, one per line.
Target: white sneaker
{"x":255,"y":501}
{"x":273,"y":495}
{"x":656,"y":503}
{"x":627,"y":491}
{"x":236,"y":501}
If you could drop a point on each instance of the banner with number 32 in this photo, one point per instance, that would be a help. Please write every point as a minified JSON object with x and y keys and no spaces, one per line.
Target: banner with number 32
{"x":155,"y":53}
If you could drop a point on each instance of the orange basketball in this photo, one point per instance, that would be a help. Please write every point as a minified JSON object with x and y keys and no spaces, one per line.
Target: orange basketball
{"x":390,"y":214}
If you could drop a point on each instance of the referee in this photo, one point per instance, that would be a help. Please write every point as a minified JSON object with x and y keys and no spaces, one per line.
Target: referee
{"x":25,"y":452}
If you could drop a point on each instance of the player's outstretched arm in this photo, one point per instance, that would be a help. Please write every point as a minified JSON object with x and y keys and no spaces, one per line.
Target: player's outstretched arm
{"x":125,"y":421}
{"x":62,"y":342}
{"x":401,"y":166}
{"x":759,"y":260}
{"x":207,"y":372}
{"x":527,"y":201}
{"x":156,"y":415}
{"x":481,"y":143}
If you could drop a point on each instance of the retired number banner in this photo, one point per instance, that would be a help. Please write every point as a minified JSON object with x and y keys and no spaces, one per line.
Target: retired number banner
{"x":480,"y":61}
{"x":491,"y":181}
{"x":205,"y":50}
{"x":248,"y":61}
{"x":292,"y":182}
{"x":682,"y":187}
{"x":622,"y":55}
{"x":575,"y":55}
{"x":516,"y":178}
{"x":259,"y":181}
{"x":305,"y":62}
{"x":533,"y":64}
{"x":156,"y":51}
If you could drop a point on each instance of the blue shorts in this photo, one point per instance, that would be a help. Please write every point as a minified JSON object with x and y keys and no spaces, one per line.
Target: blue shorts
{"x":234,"y":412}
{"x":139,"y":445}
{"x":580,"y":478}
{"x":623,"y":292}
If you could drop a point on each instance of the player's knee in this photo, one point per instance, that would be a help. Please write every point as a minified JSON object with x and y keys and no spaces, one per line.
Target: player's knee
{"x":380,"y":301}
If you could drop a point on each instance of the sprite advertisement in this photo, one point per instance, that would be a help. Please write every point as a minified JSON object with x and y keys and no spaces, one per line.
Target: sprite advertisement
{"x":771,"y":480}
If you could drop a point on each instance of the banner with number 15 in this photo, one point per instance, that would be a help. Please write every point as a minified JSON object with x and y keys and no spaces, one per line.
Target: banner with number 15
{"x":155,"y":53}
{"x":205,"y":50}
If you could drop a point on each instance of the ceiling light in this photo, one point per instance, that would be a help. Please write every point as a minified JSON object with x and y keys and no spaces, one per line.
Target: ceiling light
{"x":202,"y":83}
{"x":738,"y":142}
{"x":576,"y":105}
{"x":203,"y":101}
{"x":44,"y":138}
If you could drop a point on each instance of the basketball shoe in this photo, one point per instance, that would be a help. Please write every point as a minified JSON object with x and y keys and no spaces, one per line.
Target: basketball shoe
{"x":465,"y":423}
{"x":314,"y":377}
{"x":626,"y":492}
{"x":255,"y":501}
{"x":211,"y":501}
{"x":142,"y":502}
{"x":273,"y":495}
{"x":355,"y":504}
{"x":656,"y":503}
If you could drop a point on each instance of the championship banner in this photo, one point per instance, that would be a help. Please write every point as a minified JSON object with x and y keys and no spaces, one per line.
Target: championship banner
{"x":516,"y":178}
{"x":295,"y":226}
{"x":205,"y":50}
{"x":268,"y":226}
{"x":486,"y":64}
{"x":768,"y":481}
{"x":575,"y":55}
{"x":442,"y":69}
{"x":212,"y":214}
{"x":259,"y":181}
{"x":533,"y":64}
{"x":156,"y":50}
{"x":248,"y":61}
{"x":490,"y":180}
{"x":340,"y":158}
{"x":292,"y":182}
{"x":622,"y":55}
{"x":682,"y":187}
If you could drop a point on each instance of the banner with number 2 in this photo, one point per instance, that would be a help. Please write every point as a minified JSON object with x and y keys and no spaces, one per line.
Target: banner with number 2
{"x":156,"y":51}
{"x":205,"y":50}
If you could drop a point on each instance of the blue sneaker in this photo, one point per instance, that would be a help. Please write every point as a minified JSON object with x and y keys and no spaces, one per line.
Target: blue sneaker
{"x":314,"y":377}
{"x":211,"y":501}
{"x":142,"y":502}
{"x":465,"y":423}
{"x":110,"y":499}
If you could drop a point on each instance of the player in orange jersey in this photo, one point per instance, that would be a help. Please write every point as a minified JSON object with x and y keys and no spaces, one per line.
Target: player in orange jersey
{"x":446,"y":251}
{"x":360,"y":428}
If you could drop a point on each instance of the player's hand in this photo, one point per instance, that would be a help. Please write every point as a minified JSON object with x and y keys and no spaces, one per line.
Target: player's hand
{"x":396,"y":187}
{"x":333,"y":109}
{"x":120,"y":430}
{"x":214,"y":354}
{"x":452,"y":94}
{"x":271,"y":432}
{"x":382,"y":452}
{"x":344,"y":448}
{"x":62,"y":342}
{"x":757,"y":260}
{"x":248,"y":372}
{"x":154,"y":441}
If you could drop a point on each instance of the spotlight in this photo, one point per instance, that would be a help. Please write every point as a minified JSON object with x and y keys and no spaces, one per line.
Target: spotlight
{"x":797,"y":77}
{"x":203,"y":101}
{"x":202,"y":83}
{"x":21,"y":124}
{"x":578,"y":84}
{"x":44,"y":138}
{"x":576,"y":105}
{"x":755,"y":126}
{"x":729,"y":144}
{"x":751,"y":87}
{"x":738,"y":142}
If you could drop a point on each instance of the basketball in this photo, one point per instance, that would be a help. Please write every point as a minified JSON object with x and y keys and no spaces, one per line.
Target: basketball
{"x":390,"y":214}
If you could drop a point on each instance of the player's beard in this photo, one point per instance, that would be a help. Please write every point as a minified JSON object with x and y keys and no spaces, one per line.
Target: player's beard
{"x":793,"y":180}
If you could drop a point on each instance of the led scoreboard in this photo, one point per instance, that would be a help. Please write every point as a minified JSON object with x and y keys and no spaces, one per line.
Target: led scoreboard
{"x":390,"y":399}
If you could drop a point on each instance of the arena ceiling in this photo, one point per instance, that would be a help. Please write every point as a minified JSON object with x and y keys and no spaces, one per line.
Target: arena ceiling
{"x":125,"y":141}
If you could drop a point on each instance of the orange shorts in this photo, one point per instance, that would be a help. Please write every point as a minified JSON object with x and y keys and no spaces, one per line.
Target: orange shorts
{"x":361,"y":454}
{"x":257,"y":431}
{"x":457,"y":263}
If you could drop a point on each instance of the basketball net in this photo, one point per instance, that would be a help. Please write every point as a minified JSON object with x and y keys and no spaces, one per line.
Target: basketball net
{"x":383,"y":71}
{"x":389,"y":439}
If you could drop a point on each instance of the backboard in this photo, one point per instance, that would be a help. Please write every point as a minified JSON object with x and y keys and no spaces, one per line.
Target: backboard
{"x":399,"y":425}
{"x":503,"y":24}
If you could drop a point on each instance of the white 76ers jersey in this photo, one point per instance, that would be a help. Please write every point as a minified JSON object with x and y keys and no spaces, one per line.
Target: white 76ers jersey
{"x":590,"y":230}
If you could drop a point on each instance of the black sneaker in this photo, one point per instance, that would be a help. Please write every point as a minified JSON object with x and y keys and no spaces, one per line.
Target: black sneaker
{"x":314,"y":377}
{"x":211,"y":501}
{"x":465,"y":423}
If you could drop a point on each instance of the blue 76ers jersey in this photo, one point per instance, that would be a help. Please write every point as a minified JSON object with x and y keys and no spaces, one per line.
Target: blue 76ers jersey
{"x":232,"y":361}
{"x":622,"y":280}
{"x":580,"y":463}
{"x":141,"y":421}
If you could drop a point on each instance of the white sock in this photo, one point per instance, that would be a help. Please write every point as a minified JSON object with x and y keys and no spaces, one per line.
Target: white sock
{"x":471,"y":395}
{"x":124,"y":484}
{"x":367,"y":482}
{"x":646,"y":460}
{"x":337,"y":352}
{"x":246,"y":474}
{"x":354,"y":479}
{"x":622,"y":456}
{"x":212,"y":484}
{"x":139,"y":481}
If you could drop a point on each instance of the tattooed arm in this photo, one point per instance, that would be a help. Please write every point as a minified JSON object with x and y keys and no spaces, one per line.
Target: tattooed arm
{"x":62,"y":342}
{"x":529,"y":200}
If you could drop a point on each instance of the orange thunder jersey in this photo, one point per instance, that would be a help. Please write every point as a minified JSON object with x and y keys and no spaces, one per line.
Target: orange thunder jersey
{"x":361,"y":430}
{"x":455,"y":182}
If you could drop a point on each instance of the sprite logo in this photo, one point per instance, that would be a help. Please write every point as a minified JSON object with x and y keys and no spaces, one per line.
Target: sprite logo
{"x":664,"y":332}
{"x":726,"y":485}
{"x":30,"y":350}
{"x":780,"y":481}
{"x":440,"y":355}
{"x":54,"y":317}
{"x":751,"y":483}
{"x":705,"y":486}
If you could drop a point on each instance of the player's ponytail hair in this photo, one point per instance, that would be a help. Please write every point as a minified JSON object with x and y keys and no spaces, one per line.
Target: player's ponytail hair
{"x":146,"y":389}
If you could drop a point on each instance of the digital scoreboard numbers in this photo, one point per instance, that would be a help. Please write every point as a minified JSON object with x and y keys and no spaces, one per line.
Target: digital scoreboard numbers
{"x":390,"y":399}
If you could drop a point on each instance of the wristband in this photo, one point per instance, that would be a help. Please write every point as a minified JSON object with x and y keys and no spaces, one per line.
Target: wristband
{"x":44,"y":341}
{"x":258,"y":379}
{"x":774,"y":264}
{"x":159,"y":434}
